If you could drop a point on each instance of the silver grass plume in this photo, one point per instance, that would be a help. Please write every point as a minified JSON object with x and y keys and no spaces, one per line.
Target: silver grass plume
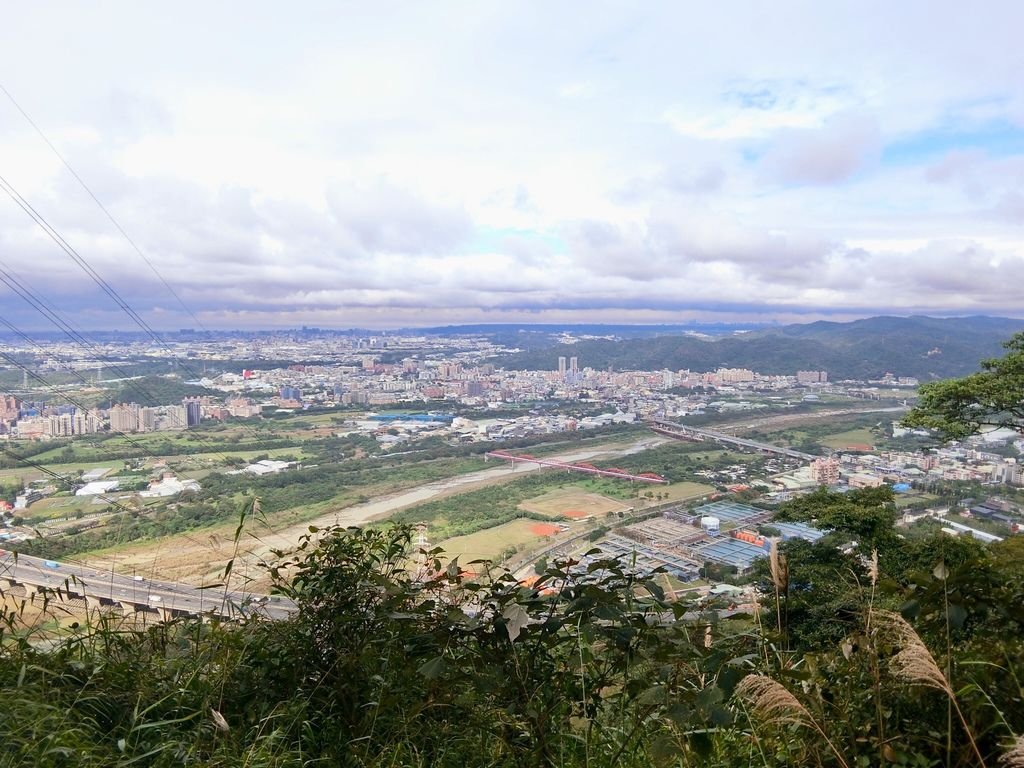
{"x":914,"y":663}
{"x":775,"y":705}
{"x":771,"y":701}
{"x":219,"y":722}
{"x":1014,"y":757}
{"x":779,"y":568}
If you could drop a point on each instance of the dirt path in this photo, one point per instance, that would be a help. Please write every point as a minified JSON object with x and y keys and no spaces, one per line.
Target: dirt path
{"x":794,"y":419}
{"x":200,"y":558}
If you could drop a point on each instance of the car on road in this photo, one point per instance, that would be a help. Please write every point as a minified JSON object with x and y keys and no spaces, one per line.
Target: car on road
{"x":51,"y":564}
{"x":155,"y":598}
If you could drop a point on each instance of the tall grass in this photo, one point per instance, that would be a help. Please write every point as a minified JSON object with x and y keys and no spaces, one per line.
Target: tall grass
{"x":592,"y":666}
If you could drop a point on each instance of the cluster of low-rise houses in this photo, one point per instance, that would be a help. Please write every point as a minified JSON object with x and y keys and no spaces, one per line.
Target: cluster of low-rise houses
{"x":967,"y":462}
{"x":377,"y":373}
{"x":375,"y":384}
{"x":970,"y":461}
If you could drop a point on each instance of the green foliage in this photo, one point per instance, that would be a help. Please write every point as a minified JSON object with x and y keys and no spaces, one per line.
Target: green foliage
{"x":383,"y":662}
{"x":865,"y":515}
{"x":865,"y":349}
{"x":958,"y":408}
{"x":158,"y":390}
{"x":398,"y":658}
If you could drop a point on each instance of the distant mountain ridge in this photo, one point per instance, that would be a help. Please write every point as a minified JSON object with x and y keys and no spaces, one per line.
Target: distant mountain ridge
{"x":923,"y":347}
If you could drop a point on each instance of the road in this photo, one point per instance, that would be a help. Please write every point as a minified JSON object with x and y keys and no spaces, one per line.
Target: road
{"x":84,"y":581}
{"x":375,"y":509}
{"x":684,"y":431}
{"x":795,"y":418}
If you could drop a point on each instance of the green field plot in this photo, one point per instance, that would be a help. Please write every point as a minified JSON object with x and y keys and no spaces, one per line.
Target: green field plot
{"x":914,"y":497}
{"x":59,"y":507}
{"x":490,"y":543}
{"x":28,"y":474}
{"x":572,"y":502}
{"x":682,"y":491}
{"x":851,"y":437}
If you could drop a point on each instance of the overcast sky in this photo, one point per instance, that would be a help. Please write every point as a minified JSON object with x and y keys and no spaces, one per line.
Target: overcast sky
{"x":386,"y":164}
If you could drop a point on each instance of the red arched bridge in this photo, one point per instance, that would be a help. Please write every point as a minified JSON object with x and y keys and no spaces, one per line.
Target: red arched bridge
{"x":588,"y":469}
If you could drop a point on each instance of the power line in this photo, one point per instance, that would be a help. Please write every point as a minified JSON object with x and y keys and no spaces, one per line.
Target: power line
{"x":83,"y":263}
{"x":130,"y":241}
{"x":40,"y":305}
{"x":53,"y":388}
{"x":26,"y":294}
{"x":76,"y":257}
{"x":37,"y":302}
{"x":60,"y":478}
{"x":102,"y":207}
{"x":98,"y":279}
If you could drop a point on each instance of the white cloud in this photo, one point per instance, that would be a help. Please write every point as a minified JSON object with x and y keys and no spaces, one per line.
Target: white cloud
{"x":832,"y":153}
{"x":756,"y":110}
{"x":406,"y":163}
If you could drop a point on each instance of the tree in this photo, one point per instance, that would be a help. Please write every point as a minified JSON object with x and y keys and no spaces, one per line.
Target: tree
{"x":958,"y":408}
{"x":866,"y":515}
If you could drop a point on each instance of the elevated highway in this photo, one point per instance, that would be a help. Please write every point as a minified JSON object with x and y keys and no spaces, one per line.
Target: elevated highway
{"x":106,"y":590}
{"x":684,"y":432}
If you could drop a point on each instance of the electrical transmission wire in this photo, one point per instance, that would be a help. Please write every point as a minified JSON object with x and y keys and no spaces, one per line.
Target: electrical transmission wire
{"x":57,"y":391}
{"x":98,"y":279}
{"x":36,"y":301}
{"x":130,"y":241}
{"x":86,"y":267}
{"x":102,"y":207}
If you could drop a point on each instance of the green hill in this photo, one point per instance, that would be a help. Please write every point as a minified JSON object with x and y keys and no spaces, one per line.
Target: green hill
{"x":156,"y":390}
{"x":924,"y":347}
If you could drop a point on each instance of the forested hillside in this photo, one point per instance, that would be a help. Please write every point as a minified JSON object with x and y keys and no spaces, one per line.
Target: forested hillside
{"x":923,"y":347}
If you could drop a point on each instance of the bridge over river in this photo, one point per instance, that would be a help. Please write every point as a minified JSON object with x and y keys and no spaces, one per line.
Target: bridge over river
{"x":684,"y":432}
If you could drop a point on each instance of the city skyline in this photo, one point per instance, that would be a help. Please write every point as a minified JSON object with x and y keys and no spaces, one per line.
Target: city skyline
{"x":457,"y":163}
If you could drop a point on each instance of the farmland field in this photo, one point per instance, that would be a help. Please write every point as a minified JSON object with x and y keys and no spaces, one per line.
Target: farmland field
{"x":573,"y":502}
{"x":491,"y":542}
{"x":849,"y":438}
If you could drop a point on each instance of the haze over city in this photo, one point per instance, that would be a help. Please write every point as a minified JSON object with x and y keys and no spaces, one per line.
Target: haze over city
{"x":348,"y":165}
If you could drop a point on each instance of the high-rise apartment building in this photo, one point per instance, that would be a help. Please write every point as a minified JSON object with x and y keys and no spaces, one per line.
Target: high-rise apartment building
{"x":147,"y":419}
{"x":574,"y":365}
{"x":734,"y":375}
{"x":193,"y":411}
{"x":173,"y":417}
{"x":825,"y":471}
{"x":8,"y":408}
{"x":290,"y":393}
{"x":60,"y":425}
{"x":811,"y":377}
{"x":124,"y":417}
{"x":561,"y":366}
{"x":243,"y":408}
{"x":86,"y":422}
